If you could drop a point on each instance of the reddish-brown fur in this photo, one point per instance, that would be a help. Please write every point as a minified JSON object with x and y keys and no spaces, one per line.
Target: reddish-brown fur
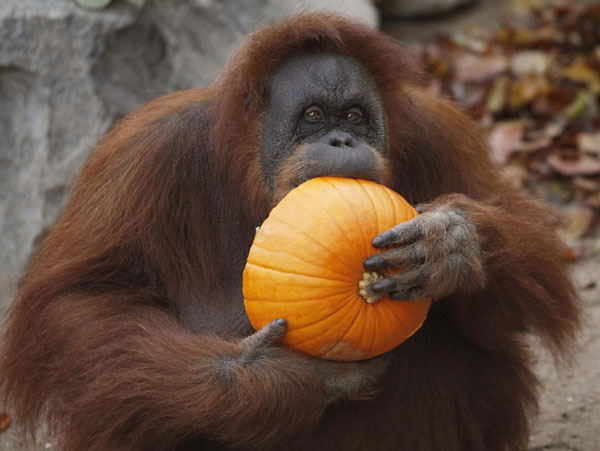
{"x":127,"y":319}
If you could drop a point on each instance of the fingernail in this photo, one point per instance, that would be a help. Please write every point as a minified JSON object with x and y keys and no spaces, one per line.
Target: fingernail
{"x":377,"y":287}
{"x":377,"y":241}
{"x":370,"y":263}
{"x":280,"y":322}
{"x":380,"y":286}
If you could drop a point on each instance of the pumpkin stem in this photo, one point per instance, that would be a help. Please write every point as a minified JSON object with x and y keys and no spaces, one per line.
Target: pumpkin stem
{"x":364,"y":287}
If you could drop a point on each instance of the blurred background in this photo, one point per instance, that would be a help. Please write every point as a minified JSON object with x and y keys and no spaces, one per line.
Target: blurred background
{"x":527,"y":70}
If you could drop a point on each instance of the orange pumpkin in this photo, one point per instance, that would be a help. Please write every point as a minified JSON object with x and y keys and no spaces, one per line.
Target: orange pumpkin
{"x":305,"y":265}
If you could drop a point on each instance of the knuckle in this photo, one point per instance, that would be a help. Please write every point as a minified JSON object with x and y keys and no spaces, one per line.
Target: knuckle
{"x":417,"y":293}
{"x":396,"y":296}
{"x":410,"y":276}
{"x":394,"y":256}
{"x":418,"y":252}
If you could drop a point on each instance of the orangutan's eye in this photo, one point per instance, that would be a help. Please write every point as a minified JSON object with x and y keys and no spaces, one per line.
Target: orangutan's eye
{"x":354,"y":115}
{"x":314,"y":114}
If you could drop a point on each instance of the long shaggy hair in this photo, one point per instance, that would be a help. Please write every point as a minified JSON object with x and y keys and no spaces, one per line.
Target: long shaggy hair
{"x":103,"y":341}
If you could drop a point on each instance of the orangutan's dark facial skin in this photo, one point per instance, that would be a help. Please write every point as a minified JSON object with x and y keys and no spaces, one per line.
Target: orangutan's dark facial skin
{"x":324,"y":118}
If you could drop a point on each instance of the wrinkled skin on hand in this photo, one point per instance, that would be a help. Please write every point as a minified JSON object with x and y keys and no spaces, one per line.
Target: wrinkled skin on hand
{"x":431,"y":256}
{"x":341,"y":380}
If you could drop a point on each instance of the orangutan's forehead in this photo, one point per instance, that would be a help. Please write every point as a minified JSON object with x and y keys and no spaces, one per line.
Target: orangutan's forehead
{"x":320,"y":77}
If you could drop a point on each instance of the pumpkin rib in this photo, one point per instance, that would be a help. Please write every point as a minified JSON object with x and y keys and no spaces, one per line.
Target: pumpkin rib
{"x":353,"y":322}
{"x":373,"y":320}
{"x":304,"y":300}
{"x":350,"y":309}
{"x":320,"y":320}
{"x":316,"y":337}
{"x":363,"y":313}
{"x":389,"y":207}
{"x":333,"y":219}
{"x":375,"y":215}
{"x":388,"y":321}
{"x":304,"y":342}
{"x":356,"y":219}
{"x":293,"y":273}
{"x":402,"y":319}
{"x":312,"y":239}
{"x":308,"y":263}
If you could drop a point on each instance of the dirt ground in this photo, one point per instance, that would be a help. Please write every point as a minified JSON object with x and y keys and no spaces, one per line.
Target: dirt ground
{"x":570,"y":404}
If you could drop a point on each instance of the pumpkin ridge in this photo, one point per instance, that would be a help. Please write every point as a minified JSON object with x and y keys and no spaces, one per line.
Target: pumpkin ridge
{"x":357,"y":220}
{"x":310,"y":339}
{"x":392,"y":205}
{"x":318,"y":337}
{"x":303,"y":300}
{"x":392,"y":311}
{"x":387,"y":318}
{"x":325,"y":210}
{"x":320,"y":320}
{"x":353,"y":322}
{"x":392,"y":199}
{"x":402,"y":318}
{"x":312,"y":239}
{"x":344,"y":282}
{"x":371,"y":314}
{"x":363,"y":311}
{"x":375,"y":214}
{"x":308,"y":263}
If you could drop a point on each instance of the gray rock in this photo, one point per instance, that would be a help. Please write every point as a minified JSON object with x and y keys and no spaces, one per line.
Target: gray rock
{"x":420,"y":8}
{"x":67,"y":73}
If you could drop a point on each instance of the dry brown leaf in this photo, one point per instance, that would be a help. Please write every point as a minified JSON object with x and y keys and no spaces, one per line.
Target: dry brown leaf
{"x":526,"y":7}
{"x":553,"y":191}
{"x":593,"y":201}
{"x":557,"y":100}
{"x":467,"y":95}
{"x":468,"y":42}
{"x":504,"y":139}
{"x":589,"y":142}
{"x":582,"y":165}
{"x":575,"y":223}
{"x":515,"y":175}
{"x":530,"y":62}
{"x":586,"y":184}
{"x":471,"y":68}
{"x":534,"y":37}
{"x":554,"y":128}
{"x":496,"y":99}
{"x":527,"y":89}
{"x":583,"y":105}
{"x":580,"y":72}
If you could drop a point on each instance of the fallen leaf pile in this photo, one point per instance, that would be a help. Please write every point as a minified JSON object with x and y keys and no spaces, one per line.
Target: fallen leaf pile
{"x":534,"y":86}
